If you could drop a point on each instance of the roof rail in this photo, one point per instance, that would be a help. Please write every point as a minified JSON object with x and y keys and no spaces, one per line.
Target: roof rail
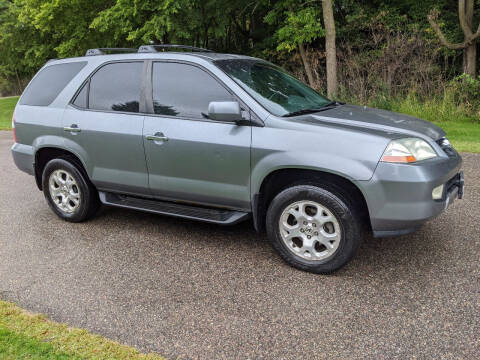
{"x":104,"y":51}
{"x":155,"y":48}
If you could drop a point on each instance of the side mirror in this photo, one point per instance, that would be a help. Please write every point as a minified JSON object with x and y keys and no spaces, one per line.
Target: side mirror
{"x":225,"y":111}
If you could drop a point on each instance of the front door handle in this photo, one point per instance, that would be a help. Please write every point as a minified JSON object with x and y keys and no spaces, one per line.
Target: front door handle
{"x":157,"y":137}
{"x":73,"y":128}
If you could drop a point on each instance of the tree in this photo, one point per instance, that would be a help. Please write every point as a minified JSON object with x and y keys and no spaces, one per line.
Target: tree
{"x":469,"y":44}
{"x":330,"y":48}
{"x":23,"y":49}
{"x":202,"y":23}
{"x":297,"y":28}
{"x":140,"y":21}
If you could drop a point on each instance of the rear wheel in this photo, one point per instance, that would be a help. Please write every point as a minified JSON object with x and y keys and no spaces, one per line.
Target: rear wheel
{"x":314,"y":229}
{"x":68,"y":191}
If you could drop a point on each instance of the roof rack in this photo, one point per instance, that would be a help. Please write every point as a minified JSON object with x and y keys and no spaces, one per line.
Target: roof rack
{"x":104,"y":51}
{"x":156,"y":48}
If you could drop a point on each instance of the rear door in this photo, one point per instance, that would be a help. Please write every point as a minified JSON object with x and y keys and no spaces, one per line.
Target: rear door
{"x":189,"y":157}
{"x":106,"y":121}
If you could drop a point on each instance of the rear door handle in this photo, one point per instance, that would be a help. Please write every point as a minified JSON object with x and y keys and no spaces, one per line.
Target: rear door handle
{"x":73,"y":128}
{"x":157,"y":137}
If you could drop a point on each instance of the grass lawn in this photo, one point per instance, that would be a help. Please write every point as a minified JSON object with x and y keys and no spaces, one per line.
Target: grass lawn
{"x":28,"y":336}
{"x":463,"y":132}
{"x":6,"y":110}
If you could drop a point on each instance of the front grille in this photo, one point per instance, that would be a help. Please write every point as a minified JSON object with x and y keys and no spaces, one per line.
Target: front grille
{"x":446,"y":147}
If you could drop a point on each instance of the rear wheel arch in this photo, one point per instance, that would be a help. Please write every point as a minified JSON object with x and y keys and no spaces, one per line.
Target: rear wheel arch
{"x":281,"y":179}
{"x":45,"y":154}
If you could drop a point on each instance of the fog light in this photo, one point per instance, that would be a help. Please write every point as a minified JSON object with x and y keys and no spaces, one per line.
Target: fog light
{"x":437,"y":192}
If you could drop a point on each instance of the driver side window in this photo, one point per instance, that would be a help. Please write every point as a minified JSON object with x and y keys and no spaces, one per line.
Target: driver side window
{"x":184,"y":90}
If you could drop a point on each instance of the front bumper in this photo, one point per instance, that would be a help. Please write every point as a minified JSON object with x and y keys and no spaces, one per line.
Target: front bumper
{"x":399,"y":196}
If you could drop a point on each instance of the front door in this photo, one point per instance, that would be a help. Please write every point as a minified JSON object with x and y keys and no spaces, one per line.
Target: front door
{"x":189,"y":157}
{"x":106,"y":126}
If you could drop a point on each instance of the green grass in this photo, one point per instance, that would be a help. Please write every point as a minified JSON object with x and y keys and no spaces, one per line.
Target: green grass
{"x":7,"y":105}
{"x":462,"y":130}
{"x":463,"y":134}
{"x":28,"y":336}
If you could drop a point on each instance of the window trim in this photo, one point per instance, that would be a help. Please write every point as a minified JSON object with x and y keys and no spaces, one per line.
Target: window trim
{"x":86,"y":82}
{"x":146,"y":92}
{"x":253,"y":118}
{"x":79,"y":90}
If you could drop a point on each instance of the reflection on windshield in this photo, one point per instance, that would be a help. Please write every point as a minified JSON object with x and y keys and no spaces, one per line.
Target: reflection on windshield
{"x":277,"y":91}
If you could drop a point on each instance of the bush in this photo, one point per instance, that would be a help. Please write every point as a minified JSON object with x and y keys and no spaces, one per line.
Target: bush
{"x":466,"y":92}
{"x":437,"y":109}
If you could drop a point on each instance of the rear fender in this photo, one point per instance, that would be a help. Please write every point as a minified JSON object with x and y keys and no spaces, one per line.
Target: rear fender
{"x":58,"y":142}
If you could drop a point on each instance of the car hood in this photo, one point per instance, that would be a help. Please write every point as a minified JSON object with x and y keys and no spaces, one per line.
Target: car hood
{"x":376,"y":119}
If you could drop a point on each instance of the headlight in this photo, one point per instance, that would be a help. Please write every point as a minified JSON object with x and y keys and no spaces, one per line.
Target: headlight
{"x":408,"y":150}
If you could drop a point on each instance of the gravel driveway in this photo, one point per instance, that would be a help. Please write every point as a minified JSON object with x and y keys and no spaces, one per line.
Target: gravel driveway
{"x":190,"y":290}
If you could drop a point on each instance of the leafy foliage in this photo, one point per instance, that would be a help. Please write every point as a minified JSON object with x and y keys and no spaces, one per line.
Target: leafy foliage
{"x":295,"y":27}
{"x":385,"y":48}
{"x":139,"y":19}
{"x":466,"y":92}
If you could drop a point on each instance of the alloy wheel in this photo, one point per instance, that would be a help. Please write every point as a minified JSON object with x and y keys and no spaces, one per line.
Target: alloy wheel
{"x":64,"y":191}
{"x":310,"y":230}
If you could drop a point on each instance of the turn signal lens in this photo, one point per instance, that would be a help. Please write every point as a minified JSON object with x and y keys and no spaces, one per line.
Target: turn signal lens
{"x":13,"y":129}
{"x":399,"y":159}
{"x":408,"y":150}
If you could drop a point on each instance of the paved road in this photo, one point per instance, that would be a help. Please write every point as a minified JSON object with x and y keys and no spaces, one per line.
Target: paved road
{"x":190,"y":290}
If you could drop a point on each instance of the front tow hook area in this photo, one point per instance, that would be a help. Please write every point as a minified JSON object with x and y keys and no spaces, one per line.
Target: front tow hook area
{"x":455,"y":189}
{"x":460,"y":184}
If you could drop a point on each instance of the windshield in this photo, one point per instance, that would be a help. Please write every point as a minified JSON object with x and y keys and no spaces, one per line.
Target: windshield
{"x":276,"y":90}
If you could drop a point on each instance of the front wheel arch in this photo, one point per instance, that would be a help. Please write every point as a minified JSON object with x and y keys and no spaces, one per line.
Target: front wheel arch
{"x":281,"y":179}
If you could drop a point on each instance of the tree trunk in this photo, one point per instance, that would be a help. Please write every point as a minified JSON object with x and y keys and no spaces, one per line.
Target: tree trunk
{"x":470,"y":53}
{"x":470,"y":60}
{"x":332,"y":83}
{"x":469,"y":45}
{"x":306,"y":65}
{"x":20,"y":88}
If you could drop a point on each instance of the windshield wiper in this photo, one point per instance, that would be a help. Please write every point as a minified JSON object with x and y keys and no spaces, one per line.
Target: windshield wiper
{"x":333,"y":103}
{"x":327,"y":106}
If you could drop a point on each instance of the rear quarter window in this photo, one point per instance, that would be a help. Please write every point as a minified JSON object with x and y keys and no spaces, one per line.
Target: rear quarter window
{"x":49,"y":82}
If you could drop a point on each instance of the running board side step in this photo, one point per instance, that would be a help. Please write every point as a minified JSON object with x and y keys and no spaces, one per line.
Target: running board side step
{"x":200,"y":213}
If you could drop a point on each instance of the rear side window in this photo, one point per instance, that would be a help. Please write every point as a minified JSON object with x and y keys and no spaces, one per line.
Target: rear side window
{"x":184,"y":90}
{"x":49,"y":82}
{"x":81,"y":99}
{"x":116,"y":87}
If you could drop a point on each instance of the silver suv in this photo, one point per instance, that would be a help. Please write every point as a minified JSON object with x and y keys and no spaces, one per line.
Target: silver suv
{"x":222,"y":138}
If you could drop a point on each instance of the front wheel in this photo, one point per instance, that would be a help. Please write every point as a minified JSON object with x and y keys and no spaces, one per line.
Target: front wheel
{"x":313,"y":228}
{"x":68,"y":192}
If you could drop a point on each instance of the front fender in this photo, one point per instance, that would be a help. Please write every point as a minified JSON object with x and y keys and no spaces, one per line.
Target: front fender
{"x":309,"y":161}
{"x":350,"y":154}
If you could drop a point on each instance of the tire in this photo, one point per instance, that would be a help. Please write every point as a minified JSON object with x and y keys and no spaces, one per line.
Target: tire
{"x":334,"y":228}
{"x":81,"y":197}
